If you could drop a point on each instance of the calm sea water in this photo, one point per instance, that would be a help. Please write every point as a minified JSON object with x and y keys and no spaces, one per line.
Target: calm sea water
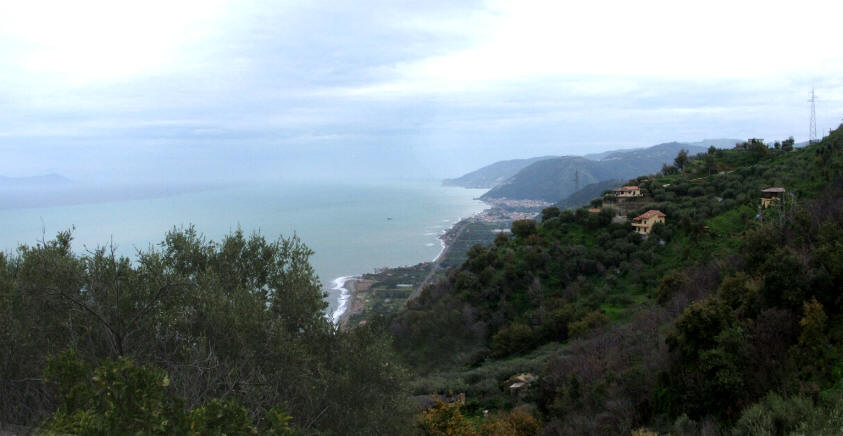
{"x":352,"y":228}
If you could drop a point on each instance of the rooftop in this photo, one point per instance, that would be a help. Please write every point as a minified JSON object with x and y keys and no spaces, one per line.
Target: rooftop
{"x":773,"y":190}
{"x":626,"y":188}
{"x":649,"y":214}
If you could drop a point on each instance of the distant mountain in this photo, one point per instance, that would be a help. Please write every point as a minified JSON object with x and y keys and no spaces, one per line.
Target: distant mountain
{"x":555,"y":179}
{"x":34,"y":181}
{"x":705,"y":143}
{"x":494,"y":174}
{"x":590,"y":192}
{"x":551,"y":179}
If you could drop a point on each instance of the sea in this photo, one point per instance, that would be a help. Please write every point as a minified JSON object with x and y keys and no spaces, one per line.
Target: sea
{"x":353,"y":228}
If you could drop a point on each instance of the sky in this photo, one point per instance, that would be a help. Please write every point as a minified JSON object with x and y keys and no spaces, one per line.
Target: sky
{"x":101,"y":90}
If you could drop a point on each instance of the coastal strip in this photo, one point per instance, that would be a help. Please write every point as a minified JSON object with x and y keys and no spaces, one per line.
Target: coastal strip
{"x":348,"y":289}
{"x":448,"y":235}
{"x":387,"y":289}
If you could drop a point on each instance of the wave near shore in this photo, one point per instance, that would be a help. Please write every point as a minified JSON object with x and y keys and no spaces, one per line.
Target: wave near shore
{"x":339,"y":284}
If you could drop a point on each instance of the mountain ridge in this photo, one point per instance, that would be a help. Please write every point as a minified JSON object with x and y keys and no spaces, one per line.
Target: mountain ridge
{"x":507,"y":179}
{"x":492,"y":174}
{"x":553,"y":180}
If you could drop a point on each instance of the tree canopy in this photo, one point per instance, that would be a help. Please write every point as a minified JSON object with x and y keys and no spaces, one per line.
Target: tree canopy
{"x":237,"y":320}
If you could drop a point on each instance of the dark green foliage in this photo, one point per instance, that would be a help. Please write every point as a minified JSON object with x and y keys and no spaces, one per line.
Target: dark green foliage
{"x":698,"y":328}
{"x":120,"y":397}
{"x":242,"y":319}
{"x":550,"y":212}
{"x":512,"y":339}
{"x":681,"y":159}
{"x":812,"y":353}
{"x":796,"y":415}
{"x":523,"y":228}
{"x":117,"y":397}
{"x":787,"y":144}
{"x":669,"y":284}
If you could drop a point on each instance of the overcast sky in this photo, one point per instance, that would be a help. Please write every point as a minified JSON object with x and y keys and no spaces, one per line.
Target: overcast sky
{"x":182,"y":90}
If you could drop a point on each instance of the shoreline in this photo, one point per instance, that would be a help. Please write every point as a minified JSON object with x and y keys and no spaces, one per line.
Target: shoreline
{"x":346,"y":284}
{"x":444,"y":232}
{"x":342,"y":284}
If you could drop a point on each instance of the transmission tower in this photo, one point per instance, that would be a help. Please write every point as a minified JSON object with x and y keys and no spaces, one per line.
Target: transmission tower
{"x":812,"y":133}
{"x":577,"y":181}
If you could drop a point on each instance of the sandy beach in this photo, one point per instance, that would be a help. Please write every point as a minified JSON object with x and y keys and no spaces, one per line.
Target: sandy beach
{"x":356,"y":301}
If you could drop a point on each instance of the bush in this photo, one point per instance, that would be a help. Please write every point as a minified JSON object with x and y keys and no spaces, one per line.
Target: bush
{"x":774,"y":415}
{"x":589,"y":322}
{"x":669,"y":284}
{"x":514,"y":423}
{"x":523,"y":228}
{"x":512,"y":339}
{"x":445,"y":419}
{"x":120,"y":397}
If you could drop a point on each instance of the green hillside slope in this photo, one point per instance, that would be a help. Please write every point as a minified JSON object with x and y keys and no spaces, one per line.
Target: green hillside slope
{"x":585,"y":195}
{"x":726,"y":318}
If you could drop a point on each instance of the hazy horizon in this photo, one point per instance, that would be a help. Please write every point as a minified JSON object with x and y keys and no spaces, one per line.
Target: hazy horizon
{"x":267,"y":90}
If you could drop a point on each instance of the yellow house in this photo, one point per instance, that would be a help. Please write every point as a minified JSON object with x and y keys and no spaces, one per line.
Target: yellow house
{"x":770,"y":196}
{"x":627,"y":192}
{"x":643,"y":224}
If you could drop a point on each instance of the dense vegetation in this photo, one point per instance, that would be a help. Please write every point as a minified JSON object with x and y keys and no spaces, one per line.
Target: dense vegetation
{"x":726,"y":319}
{"x":196,"y":336}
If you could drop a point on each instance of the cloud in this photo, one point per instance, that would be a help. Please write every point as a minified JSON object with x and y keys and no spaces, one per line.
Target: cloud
{"x":428,"y":88}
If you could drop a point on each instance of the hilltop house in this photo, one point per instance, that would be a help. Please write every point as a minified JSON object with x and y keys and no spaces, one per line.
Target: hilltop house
{"x":643,"y":224}
{"x":627,"y":192}
{"x":771,"y":195}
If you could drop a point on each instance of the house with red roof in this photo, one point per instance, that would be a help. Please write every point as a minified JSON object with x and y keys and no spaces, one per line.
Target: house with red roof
{"x":643,"y":224}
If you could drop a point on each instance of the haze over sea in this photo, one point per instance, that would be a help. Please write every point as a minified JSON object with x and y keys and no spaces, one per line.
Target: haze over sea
{"x":353,"y":228}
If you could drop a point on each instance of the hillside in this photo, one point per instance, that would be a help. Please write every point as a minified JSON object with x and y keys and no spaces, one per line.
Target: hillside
{"x":726,"y":320}
{"x":585,"y":195}
{"x":492,"y":175}
{"x":553,"y":180}
{"x":554,"y":187}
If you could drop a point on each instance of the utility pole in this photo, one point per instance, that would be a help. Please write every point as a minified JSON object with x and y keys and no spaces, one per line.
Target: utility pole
{"x":812,"y":129}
